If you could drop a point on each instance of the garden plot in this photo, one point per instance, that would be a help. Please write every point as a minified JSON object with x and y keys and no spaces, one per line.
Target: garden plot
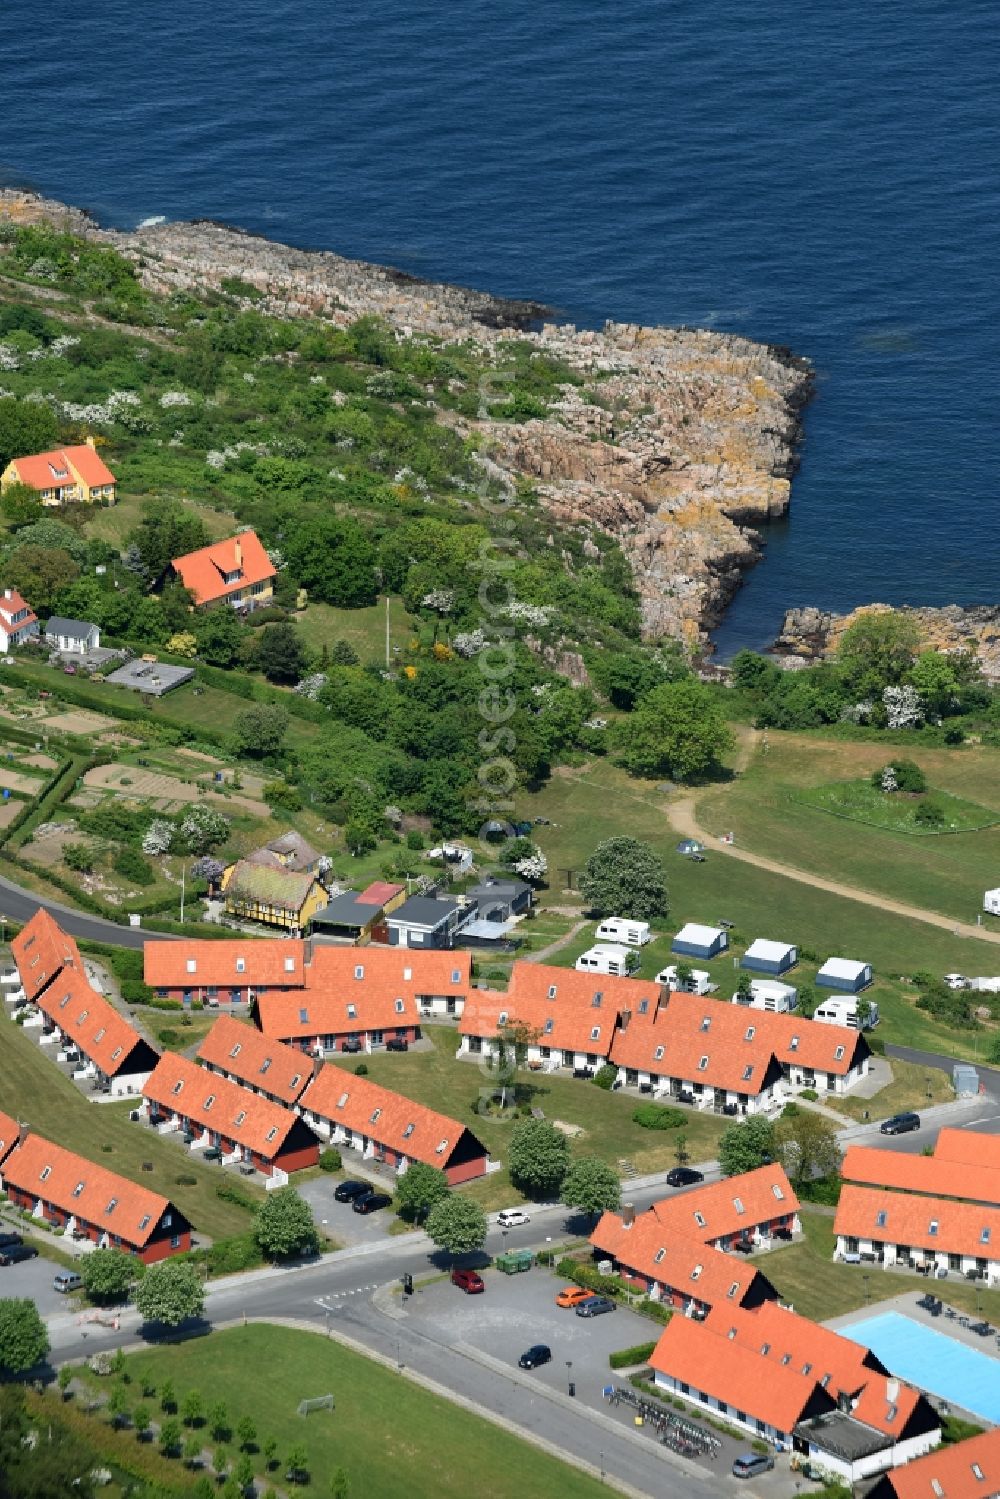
{"x":13,"y":780}
{"x":80,"y":721}
{"x":163,"y":790}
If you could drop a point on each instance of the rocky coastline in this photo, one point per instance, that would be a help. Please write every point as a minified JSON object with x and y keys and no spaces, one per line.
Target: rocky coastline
{"x":681,"y":443}
{"x":809,"y":635}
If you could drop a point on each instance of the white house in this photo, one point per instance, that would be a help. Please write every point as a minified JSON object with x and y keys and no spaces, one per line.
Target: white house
{"x":769,"y":994}
{"x":698,"y":982}
{"x":605,"y":958}
{"x":72,"y":637}
{"x":18,"y":623}
{"x":620,"y":929}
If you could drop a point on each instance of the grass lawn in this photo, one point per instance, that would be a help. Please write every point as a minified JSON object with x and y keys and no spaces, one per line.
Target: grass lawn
{"x":806,"y":1277}
{"x":860,"y":801}
{"x":114,"y":522}
{"x":440,"y":1081}
{"x":912,"y":1087}
{"x":33,"y":1089}
{"x":774,"y":808}
{"x":364,"y":629}
{"x":395,"y":1439}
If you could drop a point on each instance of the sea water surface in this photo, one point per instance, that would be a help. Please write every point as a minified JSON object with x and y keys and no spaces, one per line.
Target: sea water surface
{"x":818,"y":175}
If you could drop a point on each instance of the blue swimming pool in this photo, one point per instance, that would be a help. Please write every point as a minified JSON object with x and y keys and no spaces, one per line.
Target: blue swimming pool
{"x":933,"y":1361}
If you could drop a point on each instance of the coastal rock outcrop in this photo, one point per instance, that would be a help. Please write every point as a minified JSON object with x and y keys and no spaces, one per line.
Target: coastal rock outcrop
{"x":680,"y":443}
{"x":809,"y":634}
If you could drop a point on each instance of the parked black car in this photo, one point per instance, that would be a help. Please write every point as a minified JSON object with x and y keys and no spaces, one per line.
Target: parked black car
{"x":371,"y":1203}
{"x":8,"y":1237}
{"x":595,"y":1306}
{"x":397,"y":1043}
{"x":12,"y":1254}
{"x":683,"y":1176}
{"x":539,"y":1353}
{"x":900,"y":1124}
{"x":350,"y":1043}
{"x":347,"y":1191}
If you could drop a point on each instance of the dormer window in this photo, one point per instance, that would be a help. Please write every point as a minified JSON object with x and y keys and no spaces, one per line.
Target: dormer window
{"x":552,"y":991}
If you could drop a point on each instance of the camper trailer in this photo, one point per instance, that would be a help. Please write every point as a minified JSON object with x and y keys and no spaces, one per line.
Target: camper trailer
{"x":620,"y":929}
{"x":606,"y":958}
{"x":769,"y":994}
{"x":699,"y":982}
{"x":842,"y":1009}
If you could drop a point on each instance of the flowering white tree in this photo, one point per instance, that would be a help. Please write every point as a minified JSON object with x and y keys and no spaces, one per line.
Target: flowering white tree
{"x":889,"y":782}
{"x":202,"y":828}
{"x":441,"y":600}
{"x":904,"y":707}
{"x":158,"y":837}
{"x":207,"y":868}
{"x":857,"y":712}
{"x":533,"y":867}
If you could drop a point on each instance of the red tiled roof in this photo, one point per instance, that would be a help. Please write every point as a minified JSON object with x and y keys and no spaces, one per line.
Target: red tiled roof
{"x":908,"y":1219}
{"x":920,"y":1173}
{"x":968,"y":1148}
{"x":204,"y":571}
{"x":716,"y":1366}
{"x":737,"y":1054}
{"x":735,"y":1204}
{"x":40,"y":950}
{"x":783,"y":1337}
{"x":409,"y":1128}
{"x":94,"y":1025}
{"x":675,"y":1259}
{"x":373,"y":981}
{"x":216,"y":964}
{"x":243,"y":1053}
{"x":36,"y":469}
{"x":13,"y":605}
{"x":950,"y":1472}
{"x":886,"y":1404}
{"x":378,"y":893}
{"x":563,"y":1006}
{"x":55,"y":1175}
{"x":9,"y":1132}
{"x":235,"y":1113}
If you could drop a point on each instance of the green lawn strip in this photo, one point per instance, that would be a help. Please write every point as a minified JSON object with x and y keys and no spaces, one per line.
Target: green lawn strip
{"x":806,"y":1277}
{"x":859,"y":801}
{"x":33,"y":1089}
{"x":364,"y":629}
{"x":394,"y":1438}
{"x":440,"y":1081}
{"x":912,"y":1087}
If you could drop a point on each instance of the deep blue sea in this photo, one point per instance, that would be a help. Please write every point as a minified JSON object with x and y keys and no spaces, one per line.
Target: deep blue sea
{"x":819,"y":175}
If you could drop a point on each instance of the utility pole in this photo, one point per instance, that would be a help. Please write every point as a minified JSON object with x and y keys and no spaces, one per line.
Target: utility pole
{"x":183,"y":873}
{"x":387,"y":632}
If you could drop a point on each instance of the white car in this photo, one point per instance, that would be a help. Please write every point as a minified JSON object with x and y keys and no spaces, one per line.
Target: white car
{"x":512,"y":1218}
{"x":956,"y":981}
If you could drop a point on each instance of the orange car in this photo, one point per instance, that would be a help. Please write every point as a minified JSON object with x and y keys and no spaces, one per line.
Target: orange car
{"x":572,"y":1296}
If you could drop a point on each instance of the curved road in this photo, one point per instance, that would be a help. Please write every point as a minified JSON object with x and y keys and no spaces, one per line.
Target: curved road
{"x":20,"y":905}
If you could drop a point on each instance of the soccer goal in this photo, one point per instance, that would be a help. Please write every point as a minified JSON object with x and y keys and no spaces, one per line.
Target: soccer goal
{"x":316,"y":1403}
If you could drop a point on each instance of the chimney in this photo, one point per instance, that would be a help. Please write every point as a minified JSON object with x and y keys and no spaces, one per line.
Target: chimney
{"x":91,"y":443}
{"x":239,"y":553}
{"x":624,"y":1018}
{"x":307,"y":951}
{"x":7,"y":594}
{"x":318,"y":1065}
{"x":844,"y":1402}
{"x":23,"y":1131}
{"x":628,"y":1214}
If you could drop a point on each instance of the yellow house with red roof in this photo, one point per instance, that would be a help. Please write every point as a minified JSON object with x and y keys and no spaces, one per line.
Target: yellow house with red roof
{"x":64,"y":476}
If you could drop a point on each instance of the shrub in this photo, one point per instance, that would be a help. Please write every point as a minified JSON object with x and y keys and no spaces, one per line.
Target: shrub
{"x":823,"y":1189}
{"x":605,"y":1076}
{"x":168,"y":1037}
{"x":809,"y":1094}
{"x":657,"y":1116}
{"x":233,"y":1192}
{"x":135,"y":992}
{"x":626,"y":1357}
{"x":330,"y":1160}
{"x":415,"y":839}
{"x":928,"y":814}
{"x":130,"y":863}
{"x":361,"y":1070}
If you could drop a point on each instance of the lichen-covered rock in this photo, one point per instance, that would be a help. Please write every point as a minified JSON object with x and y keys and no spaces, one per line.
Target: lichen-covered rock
{"x":810,"y":634}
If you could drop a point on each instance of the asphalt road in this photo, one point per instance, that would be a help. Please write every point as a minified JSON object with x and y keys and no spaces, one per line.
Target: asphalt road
{"x":20,"y":905}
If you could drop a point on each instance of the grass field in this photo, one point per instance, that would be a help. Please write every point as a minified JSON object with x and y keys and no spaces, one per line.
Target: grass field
{"x":598,"y":801}
{"x":113,"y":523}
{"x":765,"y":808}
{"x":442,"y":1082}
{"x":33,"y":1089}
{"x":364,"y":629}
{"x":912,"y":1087}
{"x":395,"y":1439}
{"x":807,"y":1278}
{"x":860,"y":801}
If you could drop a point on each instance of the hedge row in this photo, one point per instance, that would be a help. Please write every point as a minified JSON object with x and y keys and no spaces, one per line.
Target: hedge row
{"x":50,"y":785}
{"x":640,"y":1353}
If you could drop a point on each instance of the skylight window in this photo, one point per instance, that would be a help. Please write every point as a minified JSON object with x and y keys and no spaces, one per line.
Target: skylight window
{"x":408,"y":1131}
{"x":265,"y":1066}
{"x":748,"y":1073}
{"x":549,"y":1027}
{"x":376,"y":1114}
{"x":236,"y":1049}
{"x":209,"y":1102}
{"x":658,"y":1054}
{"x":706,"y":1022}
{"x":699,"y":1218}
{"x":241,"y":1118}
{"x":456,"y":975}
{"x":696,"y":1272}
{"x":779,"y":1194}
{"x":644,"y":1007}
{"x":733,"y":1289}
{"x":100,"y":1035}
{"x":702,"y":1064}
{"x":359,"y":972}
{"x":595,"y":1034}
{"x":440,"y":1149}
{"x":352,"y":1012}
{"x":295,"y":1080}
{"x":272,"y":1133}
{"x":984,"y":1237}
{"x":116,"y":1054}
{"x":932,"y":1228}
{"x":738,"y":1205}
{"x":751,"y":1032}
{"x":303,"y":1017}
{"x":342,"y":1100}
{"x":891,"y":1414}
{"x":659,"y":1256}
{"x":400,"y":1007}
{"x":880,"y":1218}
{"x":191,"y":965}
{"x":144,"y":1222}
{"x":241,"y":965}
{"x":793,"y":1044}
{"x":838,"y":1055}
{"x":178,"y":1085}
{"x":786,"y":1358}
{"x":596,"y":1001}
{"x":78,"y":1188}
{"x":111,"y":1205}
{"x":552,"y":991}
{"x":502,"y":1018}
{"x":289,"y":965}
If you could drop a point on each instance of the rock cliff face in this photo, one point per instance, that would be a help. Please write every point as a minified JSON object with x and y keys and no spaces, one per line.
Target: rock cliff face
{"x":809,"y":635}
{"x":680,"y":443}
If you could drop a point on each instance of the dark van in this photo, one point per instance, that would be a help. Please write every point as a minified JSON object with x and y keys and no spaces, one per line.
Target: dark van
{"x":900,"y":1124}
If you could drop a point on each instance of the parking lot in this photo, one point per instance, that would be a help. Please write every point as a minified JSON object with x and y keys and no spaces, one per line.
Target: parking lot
{"x":338,"y":1219}
{"x":33,"y":1278}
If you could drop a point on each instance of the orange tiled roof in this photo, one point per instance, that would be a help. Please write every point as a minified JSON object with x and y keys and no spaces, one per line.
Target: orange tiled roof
{"x":93,"y":1024}
{"x":13,"y":605}
{"x":265,"y":964}
{"x":869,"y":1166}
{"x":57,"y":1175}
{"x":205,"y":571}
{"x":565,"y":1007}
{"x":390,"y":968}
{"x":967,"y":1147}
{"x":676,"y":1259}
{"x":674,"y":1039}
{"x":380,"y":986}
{"x":716,"y":1366}
{"x":36,"y":469}
{"x":378,"y":893}
{"x":241,"y":1051}
{"x":886,"y":1404}
{"x":235,"y":1113}
{"x":908,"y":1219}
{"x":40,"y":950}
{"x":735,"y":1204}
{"x":9,"y":1132}
{"x":950,"y":1472}
{"x":784,"y":1338}
{"x":404,"y":1126}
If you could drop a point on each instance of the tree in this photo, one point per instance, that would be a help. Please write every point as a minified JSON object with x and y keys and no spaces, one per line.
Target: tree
{"x":168,"y":1397}
{"x":260,"y":731}
{"x":744,"y":987}
{"x":170,"y":1293}
{"x":170,"y":1436}
{"x":284,"y":1225}
{"x":165,"y":532}
{"x":39,"y":573}
{"x":201,"y":829}
{"x":876,"y":651}
{"x":281,"y":655}
{"x":192,"y":1408}
{"x":79,"y":857}
{"x":744,"y":1147}
{"x":41,"y":1458}
{"x":269,"y":1452}
{"x":243,"y":1473}
{"x":192,"y":1449}
{"x":457,"y":1224}
{"x":342,"y":653}
{"x":419,"y":1189}
{"x":297,"y":1464}
{"x":108,"y":1275}
{"x":681,"y":1153}
{"x":334,"y":559}
{"x":340,"y":1485}
{"x":118,"y":1405}
{"x":592,"y":1186}
{"x":537,"y":1157}
{"x":220,"y":1460}
{"x":26,"y":427}
{"x":220,"y":633}
{"x":21,"y":506}
{"x":64,"y":1379}
{"x":624,"y":877}
{"x":219,"y":1423}
{"x":246,"y":1433}
{"x":676,"y":730}
{"x":936,"y":679}
{"x":141,"y":1420}
{"x":807,"y":1146}
{"x":23,"y":1339}
{"x":513,"y":1040}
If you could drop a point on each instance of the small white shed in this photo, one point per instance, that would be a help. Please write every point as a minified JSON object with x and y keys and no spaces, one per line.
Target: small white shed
{"x":621,"y":929}
{"x":763,"y":956}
